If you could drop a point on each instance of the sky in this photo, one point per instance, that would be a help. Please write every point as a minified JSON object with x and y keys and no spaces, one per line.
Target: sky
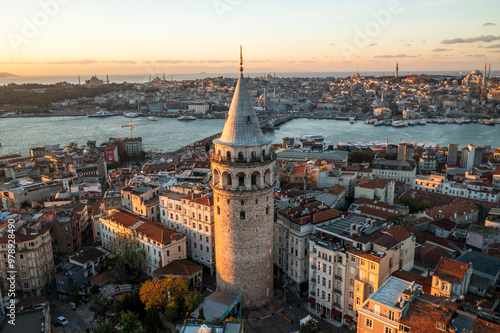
{"x":70,"y":37}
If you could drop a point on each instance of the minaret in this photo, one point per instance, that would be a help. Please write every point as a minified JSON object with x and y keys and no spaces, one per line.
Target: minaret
{"x":243,"y":187}
{"x":79,"y":80}
{"x":489,"y":69}
{"x":484,"y":74}
{"x":397,"y":70}
{"x":107,"y":79}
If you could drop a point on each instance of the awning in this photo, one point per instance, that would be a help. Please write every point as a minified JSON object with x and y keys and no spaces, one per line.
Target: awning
{"x":312,"y":301}
{"x":336,"y":313}
{"x":347,"y":318}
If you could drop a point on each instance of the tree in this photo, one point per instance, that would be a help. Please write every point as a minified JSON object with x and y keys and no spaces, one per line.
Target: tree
{"x":94,"y":290}
{"x":192,"y":300}
{"x":98,"y":304}
{"x":74,"y":293}
{"x":152,"y":322}
{"x":130,"y":302}
{"x":201,"y":315}
{"x":311,"y":326}
{"x":126,"y":267}
{"x":129,"y":321}
{"x":105,"y":327}
{"x":161,"y":293}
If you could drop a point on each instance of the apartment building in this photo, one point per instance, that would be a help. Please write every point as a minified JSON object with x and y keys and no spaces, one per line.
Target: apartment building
{"x":403,"y":171}
{"x":193,"y":215}
{"x":162,"y":245}
{"x":451,"y":278}
{"x":363,"y":254}
{"x":292,"y":231}
{"x":379,"y":189}
{"x":142,"y":200}
{"x":25,"y":195}
{"x":34,"y":261}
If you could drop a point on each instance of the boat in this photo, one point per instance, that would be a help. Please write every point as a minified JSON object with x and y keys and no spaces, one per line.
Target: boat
{"x":397,"y":123}
{"x":352,"y":120}
{"x":488,"y":122}
{"x":378,"y":123}
{"x":151,"y":118}
{"x":459,"y":121}
{"x":315,"y":138}
{"x":421,"y":122}
{"x":186,"y":118}
{"x":131,"y":115}
{"x":101,"y":114}
{"x":412,"y":123}
{"x":387,"y":122}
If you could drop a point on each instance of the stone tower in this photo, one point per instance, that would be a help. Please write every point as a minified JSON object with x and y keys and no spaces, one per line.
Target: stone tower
{"x":243,"y":185}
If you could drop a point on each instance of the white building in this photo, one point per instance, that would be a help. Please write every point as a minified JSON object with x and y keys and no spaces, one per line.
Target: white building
{"x":193,"y":215}
{"x":403,"y":171}
{"x":162,"y":245}
{"x":199,"y":108}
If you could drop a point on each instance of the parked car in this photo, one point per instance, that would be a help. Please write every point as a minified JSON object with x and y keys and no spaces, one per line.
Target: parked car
{"x":63,"y":321}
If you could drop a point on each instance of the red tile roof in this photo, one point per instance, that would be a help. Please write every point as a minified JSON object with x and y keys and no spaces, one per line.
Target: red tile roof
{"x":451,"y":270}
{"x":483,"y":326}
{"x":426,"y":311}
{"x":182,"y":267}
{"x":374,"y":183}
{"x":428,"y":255}
{"x":150,"y":229}
{"x":373,"y":212}
{"x":364,"y":255}
{"x":337,"y":190}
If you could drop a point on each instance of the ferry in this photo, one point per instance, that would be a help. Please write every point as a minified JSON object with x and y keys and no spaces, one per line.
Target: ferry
{"x":131,"y":115}
{"x":101,"y":114}
{"x":315,"y":138}
{"x":186,"y":118}
{"x":352,"y":120}
{"x":152,"y":118}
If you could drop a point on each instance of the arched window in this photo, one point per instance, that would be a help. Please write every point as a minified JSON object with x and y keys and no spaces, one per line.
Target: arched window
{"x":218,"y":153}
{"x":263,"y":153}
{"x":254,"y":155}
{"x":240,"y":156}
{"x":254,"y":179}
{"x":218,"y":210}
{"x":242,"y":215}
{"x":228,"y":155}
{"x":216,"y":177}
{"x":229,"y":179}
{"x":267,"y":176}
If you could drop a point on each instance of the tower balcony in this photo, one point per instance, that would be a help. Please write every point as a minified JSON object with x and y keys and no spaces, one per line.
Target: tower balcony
{"x":241,"y":188}
{"x":242,"y":160}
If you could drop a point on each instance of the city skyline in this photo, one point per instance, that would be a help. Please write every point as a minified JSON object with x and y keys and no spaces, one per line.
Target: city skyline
{"x":56,"y":37}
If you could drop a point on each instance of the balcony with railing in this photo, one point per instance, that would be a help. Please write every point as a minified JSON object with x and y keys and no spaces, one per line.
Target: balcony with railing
{"x":338,"y":277}
{"x":314,"y":267}
{"x":337,"y":290}
{"x":313,"y":280}
{"x":242,"y":160}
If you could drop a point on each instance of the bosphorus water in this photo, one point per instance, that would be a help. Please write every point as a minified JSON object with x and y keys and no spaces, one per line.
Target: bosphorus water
{"x":17,"y":135}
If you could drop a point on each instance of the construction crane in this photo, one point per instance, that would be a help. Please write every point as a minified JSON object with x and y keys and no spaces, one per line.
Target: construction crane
{"x":132,"y":127}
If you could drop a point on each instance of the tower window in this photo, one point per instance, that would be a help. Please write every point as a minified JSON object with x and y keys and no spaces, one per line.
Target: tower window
{"x":242,"y":215}
{"x":256,"y":201}
{"x":228,"y":155}
{"x":241,"y":180}
{"x":218,"y":210}
{"x":267,"y":210}
{"x":242,"y":202}
{"x":240,"y":156}
{"x":248,"y":119}
{"x":229,"y":180}
{"x":254,"y":180}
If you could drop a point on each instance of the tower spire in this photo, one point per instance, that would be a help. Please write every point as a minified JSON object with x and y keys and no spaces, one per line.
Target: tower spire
{"x":241,"y":59}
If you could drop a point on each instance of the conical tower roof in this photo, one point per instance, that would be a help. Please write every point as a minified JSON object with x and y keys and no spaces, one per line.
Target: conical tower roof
{"x":242,"y":127}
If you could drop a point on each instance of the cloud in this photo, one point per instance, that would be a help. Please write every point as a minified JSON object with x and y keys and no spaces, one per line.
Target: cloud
{"x":497,"y":51}
{"x":482,"y":38}
{"x":124,"y":62}
{"x":488,"y":23}
{"x":475,"y":55}
{"x":332,"y":44}
{"x":307,"y":61}
{"x":71,"y":62}
{"x":402,"y":55}
{"x":372,"y":44}
{"x":440,"y":49}
{"x":494,"y":46}
{"x":407,"y":44}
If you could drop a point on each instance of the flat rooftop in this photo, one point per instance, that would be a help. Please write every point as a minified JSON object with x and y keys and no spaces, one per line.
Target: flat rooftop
{"x":390,"y":291}
{"x":25,"y":322}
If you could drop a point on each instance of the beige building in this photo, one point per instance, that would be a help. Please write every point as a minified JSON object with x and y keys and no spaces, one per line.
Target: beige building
{"x":451,"y":278}
{"x":142,"y":200}
{"x":25,"y":195}
{"x":379,"y":189}
{"x":34,"y":261}
{"x":162,"y":245}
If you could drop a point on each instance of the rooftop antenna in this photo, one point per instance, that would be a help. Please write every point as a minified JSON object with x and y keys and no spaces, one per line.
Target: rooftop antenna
{"x":241,"y":59}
